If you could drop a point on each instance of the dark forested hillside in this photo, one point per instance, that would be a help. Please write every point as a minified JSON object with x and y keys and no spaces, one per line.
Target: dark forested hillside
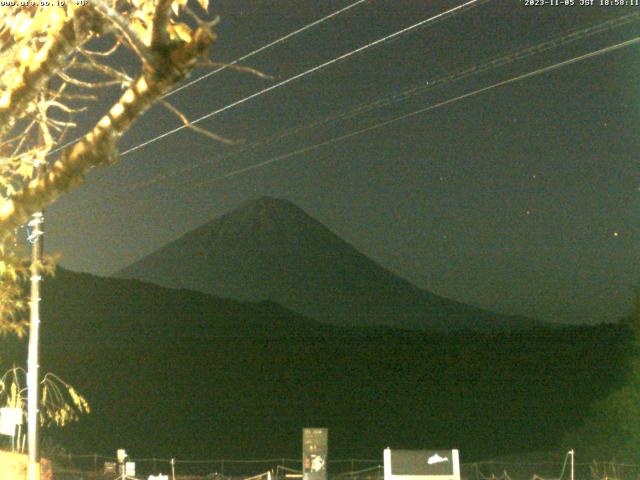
{"x":180,"y":373}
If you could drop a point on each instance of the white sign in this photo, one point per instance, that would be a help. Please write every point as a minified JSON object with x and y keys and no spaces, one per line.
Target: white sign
{"x":9,"y":418}
{"x":130,"y":469}
{"x":421,"y":465}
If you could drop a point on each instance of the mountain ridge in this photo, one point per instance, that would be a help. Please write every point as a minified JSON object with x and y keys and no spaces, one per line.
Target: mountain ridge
{"x":269,"y":248}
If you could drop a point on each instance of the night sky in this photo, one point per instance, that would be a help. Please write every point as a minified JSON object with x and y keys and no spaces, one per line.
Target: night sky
{"x":522,"y":199}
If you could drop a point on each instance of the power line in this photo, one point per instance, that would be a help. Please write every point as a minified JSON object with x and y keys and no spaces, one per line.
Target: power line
{"x":516,"y":55}
{"x":265,"y":47}
{"x":340,"y":138}
{"x":244,"y":57}
{"x":435,"y":18}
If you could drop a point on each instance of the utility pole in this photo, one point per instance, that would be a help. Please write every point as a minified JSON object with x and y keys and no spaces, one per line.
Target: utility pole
{"x":573,"y":465}
{"x":33,"y":379}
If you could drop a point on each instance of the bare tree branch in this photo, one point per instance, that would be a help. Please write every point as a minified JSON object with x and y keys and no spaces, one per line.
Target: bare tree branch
{"x":202,"y":23}
{"x":106,"y":53}
{"x":123,"y":26}
{"x":195,"y":128}
{"x":98,"y":147}
{"x":159,"y":34}
{"x":47,"y":62}
{"x":106,"y":70}
{"x":83,"y":84}
{"x":238,"y":68}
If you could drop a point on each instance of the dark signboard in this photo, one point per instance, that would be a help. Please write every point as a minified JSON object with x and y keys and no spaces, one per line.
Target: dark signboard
{"x":314,"y":453}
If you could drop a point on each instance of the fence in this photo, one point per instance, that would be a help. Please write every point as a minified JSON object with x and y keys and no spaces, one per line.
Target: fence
{"x":91,"y":467}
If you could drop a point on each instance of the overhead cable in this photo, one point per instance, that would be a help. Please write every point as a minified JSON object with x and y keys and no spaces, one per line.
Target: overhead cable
{"x":514,"y":55}
{"x":278,"y":41}
{"x":435,"y":18}
{"x":511,"y":57}
{"x":340,"y":138}
{"x":265,"y":47}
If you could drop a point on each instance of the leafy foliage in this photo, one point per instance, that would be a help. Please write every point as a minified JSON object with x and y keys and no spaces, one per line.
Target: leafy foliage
{"x":48,"y":74}
{"x":60,"y":403}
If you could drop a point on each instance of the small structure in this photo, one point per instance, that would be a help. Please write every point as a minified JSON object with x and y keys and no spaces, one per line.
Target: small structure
{"x":421,"y":464}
